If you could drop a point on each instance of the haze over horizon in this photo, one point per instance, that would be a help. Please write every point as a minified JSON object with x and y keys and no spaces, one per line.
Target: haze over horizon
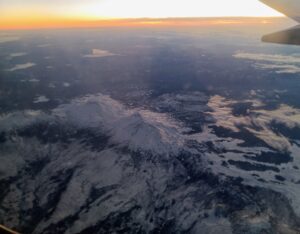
{"x":43,"y":14}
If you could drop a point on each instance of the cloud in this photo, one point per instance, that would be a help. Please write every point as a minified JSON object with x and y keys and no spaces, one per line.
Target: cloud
{"x":141,"y":129}
{"x":287,"y":59}
{"x":289,"y":64}
{"x":222,"y":113}
{"x":16,"y":120}
{"x":66,"y":84}
{"x":40,"y":99}
{"x":257,"y":121}
{"x":18,"y":54}
{"x":280,"y":69}
{"x":21,"y":66}
{"x":34,"y":80}
{"x":8,"y":38}
{"x":96,"y":53}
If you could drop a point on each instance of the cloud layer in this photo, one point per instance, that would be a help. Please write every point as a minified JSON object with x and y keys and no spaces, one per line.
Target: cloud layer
{"x":153,"y":135}
{"x":289,"y":64}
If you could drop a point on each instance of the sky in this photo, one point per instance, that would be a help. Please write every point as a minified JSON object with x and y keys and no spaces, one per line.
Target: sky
{"x":21,"y":12}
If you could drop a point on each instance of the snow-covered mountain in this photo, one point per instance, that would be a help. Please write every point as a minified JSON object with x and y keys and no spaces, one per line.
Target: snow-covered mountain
{"x":95,"y":166}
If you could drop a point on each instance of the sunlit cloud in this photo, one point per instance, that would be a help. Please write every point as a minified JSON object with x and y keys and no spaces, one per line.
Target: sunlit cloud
{"x":258,"y":121}
{"x":21,"y":66}
{"x":96,"y":53}
{"x":288,"y":64}
{"x":278,"y":58}
{"x":280,"y":69}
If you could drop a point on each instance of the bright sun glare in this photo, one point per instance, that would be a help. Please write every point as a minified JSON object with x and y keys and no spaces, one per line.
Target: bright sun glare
{"x":15,"y":12}
{"x":174,"y":8}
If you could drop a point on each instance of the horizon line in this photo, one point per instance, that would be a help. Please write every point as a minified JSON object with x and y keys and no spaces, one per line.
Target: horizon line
{"x":66,"y":23}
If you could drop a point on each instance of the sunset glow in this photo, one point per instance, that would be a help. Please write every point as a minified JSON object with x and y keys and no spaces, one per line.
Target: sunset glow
{"x":41,"y":13}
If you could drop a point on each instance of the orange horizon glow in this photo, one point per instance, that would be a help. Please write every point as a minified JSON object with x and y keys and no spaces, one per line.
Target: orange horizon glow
{"x":52,"y":23}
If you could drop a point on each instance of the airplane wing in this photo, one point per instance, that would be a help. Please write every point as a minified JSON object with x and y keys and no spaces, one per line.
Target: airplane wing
{"x":290,"y":36}
{"x":290,"y":8}
{"x":5,"y":230}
